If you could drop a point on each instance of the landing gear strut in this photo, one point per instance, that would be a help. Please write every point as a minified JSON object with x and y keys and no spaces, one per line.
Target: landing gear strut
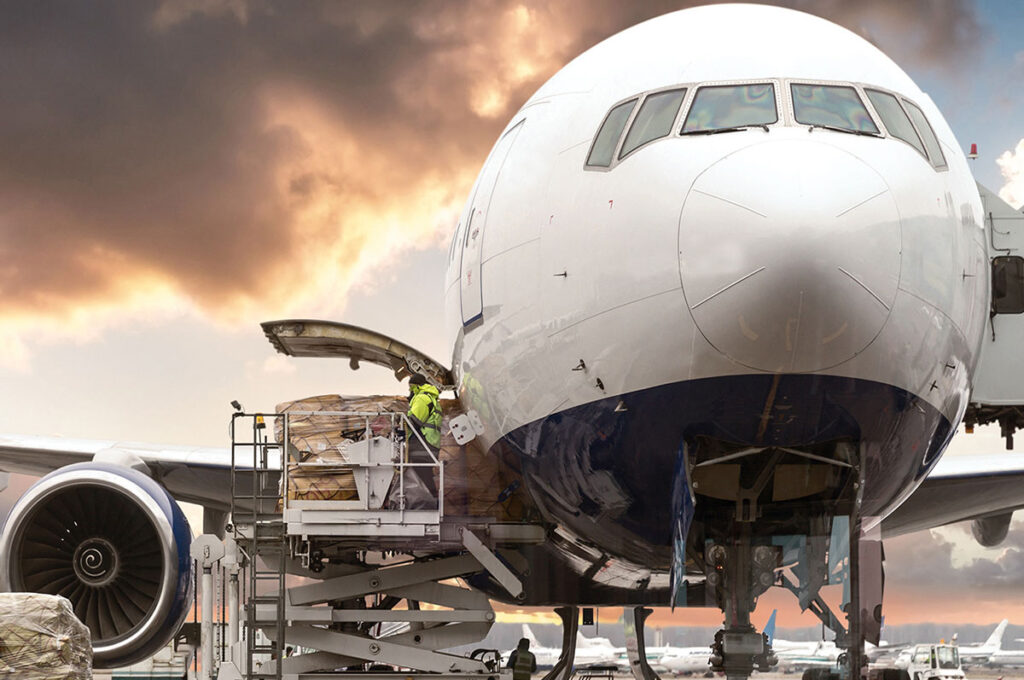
{"x":739,"y":572}
{"x":638,"y":663}
{"x":865,"y":580}
{"x":570,"y":624}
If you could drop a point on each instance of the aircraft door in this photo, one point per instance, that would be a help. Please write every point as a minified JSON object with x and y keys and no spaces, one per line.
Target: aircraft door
{"x":472,"y":241}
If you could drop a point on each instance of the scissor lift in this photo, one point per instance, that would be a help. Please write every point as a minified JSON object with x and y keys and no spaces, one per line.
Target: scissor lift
{"x":363,"y":558}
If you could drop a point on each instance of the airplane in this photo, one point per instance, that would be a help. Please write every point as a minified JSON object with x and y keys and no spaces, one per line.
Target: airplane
{"x":686,"y":660}
{"x":588,"y":650}
{"x":595,"y":651}
{"x":1006,"y":657}
{"x":819,"y":654}
{"x":546,"y":656}
{"x":983,"y":653}
{"x":720,"y":297}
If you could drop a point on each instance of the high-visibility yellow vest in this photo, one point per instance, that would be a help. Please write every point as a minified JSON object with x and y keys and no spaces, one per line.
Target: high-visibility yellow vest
{"x":522,"y":669}
{"x":425,"y":413}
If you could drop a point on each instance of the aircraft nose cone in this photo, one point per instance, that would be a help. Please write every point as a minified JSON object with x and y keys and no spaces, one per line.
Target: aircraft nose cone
{"x":789,"y":255}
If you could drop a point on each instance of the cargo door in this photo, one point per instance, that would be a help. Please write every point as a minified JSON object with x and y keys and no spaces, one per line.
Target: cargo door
{"x":472,"y":241}
{"x":311,"y":338}
{"x":998,"y":389}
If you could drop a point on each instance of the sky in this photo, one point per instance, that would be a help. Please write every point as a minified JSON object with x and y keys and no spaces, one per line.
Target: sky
{"x":173,"y":173}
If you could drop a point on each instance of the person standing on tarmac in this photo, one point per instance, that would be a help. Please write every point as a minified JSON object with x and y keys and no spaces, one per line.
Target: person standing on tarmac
{"x":425,"y":415}
{"x":522,"y":661}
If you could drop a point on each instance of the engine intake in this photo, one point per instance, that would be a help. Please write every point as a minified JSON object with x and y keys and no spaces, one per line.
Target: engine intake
{"x":113,"y":542}
{"x":992,"y":530}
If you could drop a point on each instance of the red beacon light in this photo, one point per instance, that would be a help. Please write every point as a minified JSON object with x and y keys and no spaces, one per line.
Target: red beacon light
{"x":974,"y":152}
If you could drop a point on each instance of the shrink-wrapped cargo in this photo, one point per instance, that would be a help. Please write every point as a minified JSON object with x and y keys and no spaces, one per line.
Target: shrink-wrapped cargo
{"x":316,"y":438}
{"x":40,"y":639}
{"x":323,"y":438}
{"x":322,"y":483}
{"x":475,"y":482}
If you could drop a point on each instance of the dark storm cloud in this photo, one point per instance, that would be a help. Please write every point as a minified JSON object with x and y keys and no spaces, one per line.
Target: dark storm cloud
{"x":924,"y":563}
{"x":205,"y":146}
{"x":943,"y":34}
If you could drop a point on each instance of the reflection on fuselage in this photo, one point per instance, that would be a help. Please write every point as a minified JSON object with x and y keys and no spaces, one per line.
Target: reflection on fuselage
{"x":766,"y":294}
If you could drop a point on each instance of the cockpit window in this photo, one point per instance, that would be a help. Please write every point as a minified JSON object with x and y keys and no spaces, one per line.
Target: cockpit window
{"x":833,"y":106}
{"x":731,"y":106}
{"x":895,"y":120}
{"x":931,"y":142}
{"x":603,"y":151}
{"x":653,"y":120}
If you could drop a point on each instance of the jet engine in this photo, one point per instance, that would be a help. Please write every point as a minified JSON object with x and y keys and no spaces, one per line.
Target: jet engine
{"x":113,"y":542}
{"x":991,"y":531}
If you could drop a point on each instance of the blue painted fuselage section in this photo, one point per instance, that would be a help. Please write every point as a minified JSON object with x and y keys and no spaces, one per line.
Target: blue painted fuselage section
{"x":603,"y":472}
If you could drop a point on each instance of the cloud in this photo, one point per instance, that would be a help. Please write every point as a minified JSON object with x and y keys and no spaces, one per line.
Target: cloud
{"x":216,"y":158}
{"x":921,"y":33}
{"x":938,"y":561}
{"x":1011,"y":165}
{"x":277,"y":364}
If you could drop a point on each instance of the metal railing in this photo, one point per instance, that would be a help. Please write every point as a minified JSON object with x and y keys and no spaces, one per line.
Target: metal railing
{"x":265,"y":463}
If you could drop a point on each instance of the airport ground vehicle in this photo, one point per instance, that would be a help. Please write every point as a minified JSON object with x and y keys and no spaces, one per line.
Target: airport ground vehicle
{"x":920,"y":662}
{"x":935,"y":662}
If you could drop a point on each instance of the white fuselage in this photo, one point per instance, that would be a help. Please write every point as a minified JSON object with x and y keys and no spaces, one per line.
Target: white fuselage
{"x":686,"y":660}
{"x":599,"y":316}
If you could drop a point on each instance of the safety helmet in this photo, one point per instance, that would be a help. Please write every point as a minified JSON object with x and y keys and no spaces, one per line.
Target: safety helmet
{"x":417,"y":379}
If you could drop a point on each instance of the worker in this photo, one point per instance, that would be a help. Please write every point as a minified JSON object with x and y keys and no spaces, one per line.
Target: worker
{"x":425,"y":415}
{"x":522,"y":661}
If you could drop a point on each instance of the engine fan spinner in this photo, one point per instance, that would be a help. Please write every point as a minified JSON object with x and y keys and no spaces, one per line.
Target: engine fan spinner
{"x":113,"y":542}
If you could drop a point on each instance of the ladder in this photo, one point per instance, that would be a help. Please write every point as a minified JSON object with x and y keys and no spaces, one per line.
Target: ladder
{"x":256,"y":465}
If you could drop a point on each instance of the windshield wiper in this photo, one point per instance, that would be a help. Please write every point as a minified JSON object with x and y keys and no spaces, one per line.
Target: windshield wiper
{"x":836,"y":128}
{"x":735,"y":128}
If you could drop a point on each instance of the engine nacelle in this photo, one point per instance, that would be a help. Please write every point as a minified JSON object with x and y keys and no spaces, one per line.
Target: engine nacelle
{"x":991,"y":531}
{"x":113,"y":542}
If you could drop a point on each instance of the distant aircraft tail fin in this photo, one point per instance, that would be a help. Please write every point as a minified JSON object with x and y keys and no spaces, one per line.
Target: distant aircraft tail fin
{"x":995,"y":640}
{"x":583,"y":642}
{"x":769,"y":628}
{"x":528,"y":634}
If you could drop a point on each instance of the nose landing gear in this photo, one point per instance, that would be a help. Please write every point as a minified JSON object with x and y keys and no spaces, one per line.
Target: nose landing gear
{"x":739,"y":573}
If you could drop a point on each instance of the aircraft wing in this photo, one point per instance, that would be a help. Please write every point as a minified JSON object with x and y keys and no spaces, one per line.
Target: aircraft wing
{"x":961,"y":488}
{"x":190,"y":473}
{"x":203,"y":475}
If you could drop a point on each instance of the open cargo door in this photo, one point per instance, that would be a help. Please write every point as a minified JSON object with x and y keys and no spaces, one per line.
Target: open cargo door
{"x":997,"y":395}
{"x":310,"y":338}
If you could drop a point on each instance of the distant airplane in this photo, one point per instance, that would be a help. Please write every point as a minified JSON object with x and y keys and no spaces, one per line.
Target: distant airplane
{"x":825,"y":653}
{"x":589,"y":651}
{"x":983,"y":653}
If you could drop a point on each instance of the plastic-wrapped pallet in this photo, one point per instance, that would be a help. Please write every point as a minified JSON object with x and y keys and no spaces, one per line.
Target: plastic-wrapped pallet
{"x":322,"y":439}
{"x":473,"y":480}
{"x":40,"y":639}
